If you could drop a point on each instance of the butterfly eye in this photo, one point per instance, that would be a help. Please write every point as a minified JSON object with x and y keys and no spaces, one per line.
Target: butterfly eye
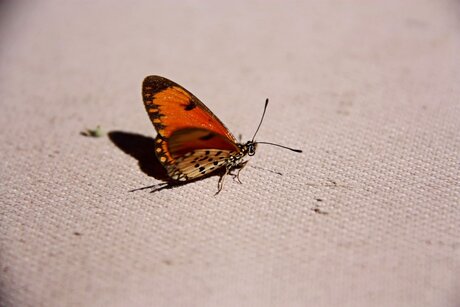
{"x":251,"y":149}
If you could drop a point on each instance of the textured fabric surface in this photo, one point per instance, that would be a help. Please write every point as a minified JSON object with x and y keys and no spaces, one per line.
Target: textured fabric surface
{"x":368,"y":215}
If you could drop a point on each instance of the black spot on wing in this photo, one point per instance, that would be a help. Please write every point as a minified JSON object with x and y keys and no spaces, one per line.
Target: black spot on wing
{"x":190,"y":106}
{"x":161,"y":137}
{"x":156,"y":115}
{"x":159,"y":126}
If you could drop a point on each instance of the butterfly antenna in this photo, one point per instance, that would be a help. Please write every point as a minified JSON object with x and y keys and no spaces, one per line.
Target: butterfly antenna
{"x":258,"y":127}
{"x":261,"y":120}
{"x":285,"y":147}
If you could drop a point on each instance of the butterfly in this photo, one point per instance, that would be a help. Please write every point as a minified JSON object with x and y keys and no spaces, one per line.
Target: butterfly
{"x":192,"y":142}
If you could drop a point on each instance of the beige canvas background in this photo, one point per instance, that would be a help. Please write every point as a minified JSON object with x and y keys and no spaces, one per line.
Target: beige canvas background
{"x":368,"y":215}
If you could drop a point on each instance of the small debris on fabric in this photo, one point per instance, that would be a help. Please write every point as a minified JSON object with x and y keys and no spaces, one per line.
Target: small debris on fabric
{"x":95,"y":133}
{"x":319,"y":211}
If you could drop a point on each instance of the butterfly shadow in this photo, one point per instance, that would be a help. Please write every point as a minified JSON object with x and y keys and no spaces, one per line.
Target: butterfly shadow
{"x":142,"y":148}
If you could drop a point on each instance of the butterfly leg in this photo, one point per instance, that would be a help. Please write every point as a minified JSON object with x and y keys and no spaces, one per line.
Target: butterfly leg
{"x":237,"y":175}
{"x":220,"y":184}
{"x":243,"y":165}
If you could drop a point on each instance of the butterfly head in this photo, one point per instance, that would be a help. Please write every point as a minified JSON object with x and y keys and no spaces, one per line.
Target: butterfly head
{"x":249,"y":148}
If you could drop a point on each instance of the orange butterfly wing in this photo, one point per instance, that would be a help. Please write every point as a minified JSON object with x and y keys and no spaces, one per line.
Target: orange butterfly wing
{"x":186,"y":140}
{"x":182,"y":121}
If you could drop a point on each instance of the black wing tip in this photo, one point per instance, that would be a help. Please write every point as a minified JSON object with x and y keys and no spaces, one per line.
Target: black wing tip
{"x":156,"y":83}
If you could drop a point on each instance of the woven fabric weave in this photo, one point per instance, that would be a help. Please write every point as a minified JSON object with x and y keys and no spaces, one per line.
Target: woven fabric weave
{"x":367,"y":215}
